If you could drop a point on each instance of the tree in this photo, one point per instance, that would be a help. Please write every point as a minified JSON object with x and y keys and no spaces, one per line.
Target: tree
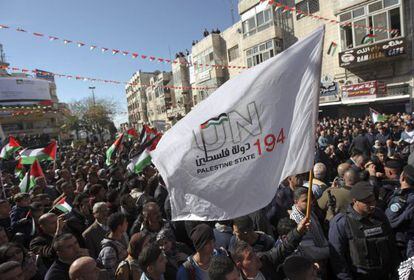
{"x":93,"y":116}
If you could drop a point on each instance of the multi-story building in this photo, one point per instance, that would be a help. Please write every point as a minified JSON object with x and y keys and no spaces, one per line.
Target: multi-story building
{"x":33,"y":107}
{"x":261,"y":33}
{"x":159,"y":99}
{"x":137,"y":98}
{"x":368,"y":57}
{"x":182,"y":101}
{"x":211,"y":50}
{"x":265,"y":31}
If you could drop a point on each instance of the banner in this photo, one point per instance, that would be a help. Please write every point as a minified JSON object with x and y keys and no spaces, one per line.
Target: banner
{"x":226,"y":158}
{"x":365,"y":90}
{"x":15,"y":89}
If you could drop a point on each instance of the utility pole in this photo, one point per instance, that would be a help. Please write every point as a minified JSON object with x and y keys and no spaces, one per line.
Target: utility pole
{"x":93,"y":95}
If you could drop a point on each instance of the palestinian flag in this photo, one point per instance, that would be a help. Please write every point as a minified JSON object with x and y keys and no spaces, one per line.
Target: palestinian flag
{"x":63,"y":206}
{"x":143,"y":159}
{"x":332,"y":48}
{"x":28,"y":156}
{"x":18,"y":171}
{"x":28,"y":181}
{"x":114,"y":147}
{"x":215,"y":121}
{"x":139,"y":162}
{"x":369,"y":38}
{"x":131,"y":133}
{"x":8,"y":149}
{"x":147,"y":133}
{"x":377,"y":117}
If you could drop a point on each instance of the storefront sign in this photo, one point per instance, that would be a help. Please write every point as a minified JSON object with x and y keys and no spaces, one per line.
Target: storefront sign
{"x":328,"y":92}
{"x":363,"y":90}
{"x":374,"y":52}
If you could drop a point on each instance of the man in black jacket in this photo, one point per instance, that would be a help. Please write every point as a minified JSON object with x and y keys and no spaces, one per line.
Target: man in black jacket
{"x":78,"y":220}
{"x":67,"y":249}
{"x":265,"y":266}
{"x":50,"y":226}
{"x":361,"y":143}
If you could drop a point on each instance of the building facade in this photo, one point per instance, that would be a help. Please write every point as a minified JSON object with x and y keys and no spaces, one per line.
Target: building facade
{"x":182,"y":101}
{"x":209,"y":51}
{"x":137,"y":98}
{"x":160,"y":97}
{"x":368,"y":57}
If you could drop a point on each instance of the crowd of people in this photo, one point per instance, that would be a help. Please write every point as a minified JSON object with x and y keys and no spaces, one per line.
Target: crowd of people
{"x":118,"y":225}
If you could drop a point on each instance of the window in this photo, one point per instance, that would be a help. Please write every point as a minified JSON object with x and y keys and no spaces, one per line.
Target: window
{"x":307,"y":6}
{"x":375,"y":7}
{"x":257,"y":23}
{"x":358,"y":12}
{"x":205,"y":57}
{"x":370,"y":23}
{"x":388,"y":3}
{"x":380,"y":21}
{"x":249,"y":26}
{"x":260,"y":53}
{"x":360,"y":34}
{"x":233,"y":53}
{"x":395,"y":22}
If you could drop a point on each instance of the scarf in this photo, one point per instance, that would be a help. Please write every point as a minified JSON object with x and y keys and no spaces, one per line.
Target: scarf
{"x":315,"y":229}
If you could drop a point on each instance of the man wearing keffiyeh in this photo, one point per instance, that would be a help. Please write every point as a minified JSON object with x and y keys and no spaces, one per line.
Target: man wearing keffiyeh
{"x":314,"y":245}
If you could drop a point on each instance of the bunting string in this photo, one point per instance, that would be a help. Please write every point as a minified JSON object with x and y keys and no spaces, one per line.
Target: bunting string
{"x":89,"y":79}
{"x":116,"y":51}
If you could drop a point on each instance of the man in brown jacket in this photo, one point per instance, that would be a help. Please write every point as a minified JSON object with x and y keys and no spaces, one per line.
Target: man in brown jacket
{"x":97,"y":231}
{"x":336,"y":198}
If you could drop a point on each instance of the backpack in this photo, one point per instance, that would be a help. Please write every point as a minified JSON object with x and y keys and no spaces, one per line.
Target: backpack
{"x":190,"y":270}
{"x":126,"y":263}
{"x":99,"y":260}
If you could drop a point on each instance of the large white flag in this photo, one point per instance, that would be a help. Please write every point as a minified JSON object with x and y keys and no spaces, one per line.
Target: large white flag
{"x":226,"y":158}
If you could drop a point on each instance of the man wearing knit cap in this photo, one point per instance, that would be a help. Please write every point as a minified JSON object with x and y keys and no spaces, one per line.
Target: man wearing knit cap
{"x":400,"y":213}
{"x":361,"y":240}
{"x":196,"y":266}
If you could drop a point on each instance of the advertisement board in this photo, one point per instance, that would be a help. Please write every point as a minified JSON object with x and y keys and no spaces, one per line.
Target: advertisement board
{"x":44,"y":75}
{"x":328,"y":92}
{"x":15,"y":89}
{"x":363,"y":90}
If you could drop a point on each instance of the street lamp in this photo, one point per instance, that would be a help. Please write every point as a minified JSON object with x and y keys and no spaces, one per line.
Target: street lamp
{"x":93,"y":95}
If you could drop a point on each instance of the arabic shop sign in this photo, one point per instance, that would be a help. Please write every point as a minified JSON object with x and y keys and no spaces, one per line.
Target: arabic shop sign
{"x":364,"y":90}
{"x":329,"y":90}
{"x":373,"y":52}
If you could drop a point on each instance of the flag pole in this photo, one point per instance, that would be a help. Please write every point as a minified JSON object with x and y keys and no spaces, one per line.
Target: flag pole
{"x":309,"y":202}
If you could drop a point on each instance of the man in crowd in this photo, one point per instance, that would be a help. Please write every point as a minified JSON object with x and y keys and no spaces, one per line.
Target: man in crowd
{"x":337,"y":198}
{"x":314,"y":244}
{"x":50,"y":227}
{"x":67,"y":250}
{"x":84,"y":268}
{"x":94,"y":234}
{"x":243,"y":230}
{"x":361,"y":240}
{"x":400,"y":213}
{"x":202,"y":236}
{"x":152,"y":262}
{"x":114,"y":245}
{"x":223,"y":268}
{"x":11,"y":270}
